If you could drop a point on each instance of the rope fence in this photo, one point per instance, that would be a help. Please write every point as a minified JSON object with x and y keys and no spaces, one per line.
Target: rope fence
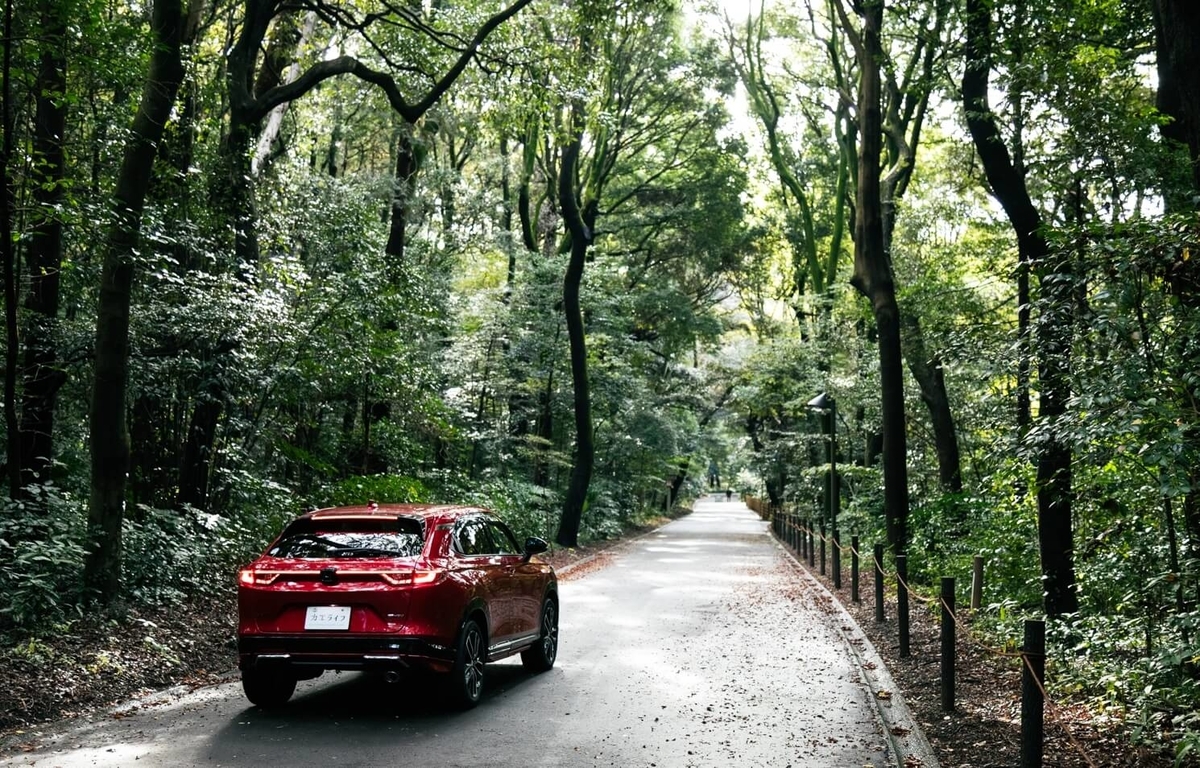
{"x":806,"y":542}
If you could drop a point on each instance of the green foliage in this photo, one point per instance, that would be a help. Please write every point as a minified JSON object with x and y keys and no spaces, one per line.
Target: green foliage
{"x":530,"y":510}
{"x":41,"y":558}
{"x":386,"y":489}
{"x":171,"y":556}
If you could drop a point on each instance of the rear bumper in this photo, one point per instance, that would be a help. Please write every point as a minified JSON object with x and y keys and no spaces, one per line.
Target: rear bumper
{"x":355,"y":652}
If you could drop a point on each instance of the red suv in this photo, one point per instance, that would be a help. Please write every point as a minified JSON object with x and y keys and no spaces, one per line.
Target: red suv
{"x":388,"y":587}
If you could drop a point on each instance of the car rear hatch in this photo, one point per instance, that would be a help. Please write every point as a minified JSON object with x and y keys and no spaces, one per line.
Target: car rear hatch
{"x":339,"y":576}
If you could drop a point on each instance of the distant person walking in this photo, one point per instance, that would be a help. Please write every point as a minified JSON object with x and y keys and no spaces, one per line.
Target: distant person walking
{"x":714,"y":476}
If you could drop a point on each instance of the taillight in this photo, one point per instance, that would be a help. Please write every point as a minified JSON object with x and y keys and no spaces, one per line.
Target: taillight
{"x":413,"y":578}
{"x":251,"y":577}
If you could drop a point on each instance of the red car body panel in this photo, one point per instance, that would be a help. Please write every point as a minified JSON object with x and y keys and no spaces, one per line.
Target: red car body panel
{"x":404,"y":609}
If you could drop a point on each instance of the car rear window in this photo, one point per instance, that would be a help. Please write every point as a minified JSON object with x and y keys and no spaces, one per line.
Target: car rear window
{"x":350,"y":538}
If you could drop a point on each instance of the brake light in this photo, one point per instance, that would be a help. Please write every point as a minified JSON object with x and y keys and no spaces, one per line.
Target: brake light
{"x":413,"y":578}
{"x":251,"y":577}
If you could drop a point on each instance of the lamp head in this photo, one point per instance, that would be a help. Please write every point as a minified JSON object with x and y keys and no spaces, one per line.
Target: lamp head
{"x":821,"y":402}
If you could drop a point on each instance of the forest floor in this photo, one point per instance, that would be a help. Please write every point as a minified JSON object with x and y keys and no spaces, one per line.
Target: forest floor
{"x":100,"y":661}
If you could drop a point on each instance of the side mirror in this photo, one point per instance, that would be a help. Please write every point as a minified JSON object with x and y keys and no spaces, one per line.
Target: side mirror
{"x":535,"y":546}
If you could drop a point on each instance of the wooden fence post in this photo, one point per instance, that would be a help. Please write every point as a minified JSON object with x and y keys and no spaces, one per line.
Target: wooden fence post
{"x":854,"y":569}
{"x":879,"y":614}
{"x":1033,"y":675}
{"x":902,"y":603}
{"x":948,"y":650}
{"x":977,"y":583}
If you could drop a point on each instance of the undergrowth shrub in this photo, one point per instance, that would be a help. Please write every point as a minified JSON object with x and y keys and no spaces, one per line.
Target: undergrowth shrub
{"x":41,"y":561}
{"x":386,"y":489}
{"x":529,"y":509}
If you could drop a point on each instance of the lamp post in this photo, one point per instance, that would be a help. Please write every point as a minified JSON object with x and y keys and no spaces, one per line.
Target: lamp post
{"x":825,"y":404}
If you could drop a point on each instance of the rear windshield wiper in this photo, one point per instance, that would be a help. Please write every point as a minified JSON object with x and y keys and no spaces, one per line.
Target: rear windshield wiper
{"x":316,"y":539}
{"x":366,"y":552}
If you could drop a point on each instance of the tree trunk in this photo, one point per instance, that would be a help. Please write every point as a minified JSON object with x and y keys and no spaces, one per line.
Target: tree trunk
{"x":108,"y":427}
{"x":927,"y":370}
{"x":873,"y":277}
{"x":1177,"y":26}
{"x":8,"y":252}
{"x":407,"y":165}
{"x":1177,"y":23}
{"x":1055,"y":535}
{"x":195,"y":465}
{"x":42,"y":374}
{"x":585,"y":448}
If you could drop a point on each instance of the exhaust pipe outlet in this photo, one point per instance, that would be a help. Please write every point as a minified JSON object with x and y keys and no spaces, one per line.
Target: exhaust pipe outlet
{"x":391,"y":676}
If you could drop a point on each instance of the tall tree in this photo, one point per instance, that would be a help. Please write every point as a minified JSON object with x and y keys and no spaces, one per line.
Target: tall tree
{"x":810,"y":267}
{"x":8,"y":253}
{"x":1054,"y":470}
{"x":107,"y":417}
{"x":580,"y":236}
{"x":873,"y":276}
{"x":1177,"y":27}
{"x":42,"y":373}
{"x":257,"y":87}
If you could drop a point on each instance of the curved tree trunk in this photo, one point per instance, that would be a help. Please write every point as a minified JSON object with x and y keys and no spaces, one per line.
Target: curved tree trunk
{"x":109,"y":431}
{"x":585,"y":447}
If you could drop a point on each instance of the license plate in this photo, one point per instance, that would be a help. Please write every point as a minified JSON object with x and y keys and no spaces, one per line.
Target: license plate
{"x":327,"y":617}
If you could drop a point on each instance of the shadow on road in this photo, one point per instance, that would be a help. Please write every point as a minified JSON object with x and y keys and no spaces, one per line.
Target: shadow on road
{"x":363,"y":708}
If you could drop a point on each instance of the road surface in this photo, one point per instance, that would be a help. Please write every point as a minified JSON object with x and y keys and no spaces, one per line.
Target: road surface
{"x":700,"y":644}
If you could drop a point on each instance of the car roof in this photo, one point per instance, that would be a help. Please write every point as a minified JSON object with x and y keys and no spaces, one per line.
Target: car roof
{"x":432,"y":514}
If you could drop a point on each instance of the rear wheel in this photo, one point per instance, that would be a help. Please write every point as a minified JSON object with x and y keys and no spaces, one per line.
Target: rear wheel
{"x":540,"y":657}
{"x":466,"y":678}
{"x":266,"y":688}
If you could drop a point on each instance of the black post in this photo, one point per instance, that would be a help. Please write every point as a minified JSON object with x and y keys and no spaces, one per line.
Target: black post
{"x":879,"y":614}
{"x":948,"y":654}
{"x":822,"y":546}
{"x":902,"y":602}
{"x":1033,"y":673}
{"x":854,"y":569}
{"x":802,"y":534}
{"x":811,"y":545}
{"x":835,"y":497}
{"x":977,"y":583}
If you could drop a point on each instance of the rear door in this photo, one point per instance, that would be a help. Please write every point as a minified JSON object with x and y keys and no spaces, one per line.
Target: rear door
{"x":480,"y":556}
{"x":527,"y":581}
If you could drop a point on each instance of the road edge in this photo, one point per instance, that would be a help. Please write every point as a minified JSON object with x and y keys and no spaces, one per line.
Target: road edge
{"x":908,"y":742}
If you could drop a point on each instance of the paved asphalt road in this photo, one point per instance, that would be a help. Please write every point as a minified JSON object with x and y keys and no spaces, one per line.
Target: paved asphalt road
{"x":697,"y":645}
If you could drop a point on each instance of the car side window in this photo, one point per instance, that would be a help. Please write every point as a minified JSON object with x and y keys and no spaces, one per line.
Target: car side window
{"x":506,"y":543}
{"x":473,"y":538}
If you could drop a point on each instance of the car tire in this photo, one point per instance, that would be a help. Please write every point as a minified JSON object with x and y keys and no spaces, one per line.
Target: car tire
{"x":466,"y":677}
{"x":267,"y":689}
{"x":540,"y":657}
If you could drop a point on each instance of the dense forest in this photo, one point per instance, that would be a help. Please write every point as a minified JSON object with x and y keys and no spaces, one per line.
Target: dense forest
{"x":557,"y":258}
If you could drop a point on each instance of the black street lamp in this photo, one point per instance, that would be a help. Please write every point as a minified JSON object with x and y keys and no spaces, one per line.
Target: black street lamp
{"x":825,"y":404}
